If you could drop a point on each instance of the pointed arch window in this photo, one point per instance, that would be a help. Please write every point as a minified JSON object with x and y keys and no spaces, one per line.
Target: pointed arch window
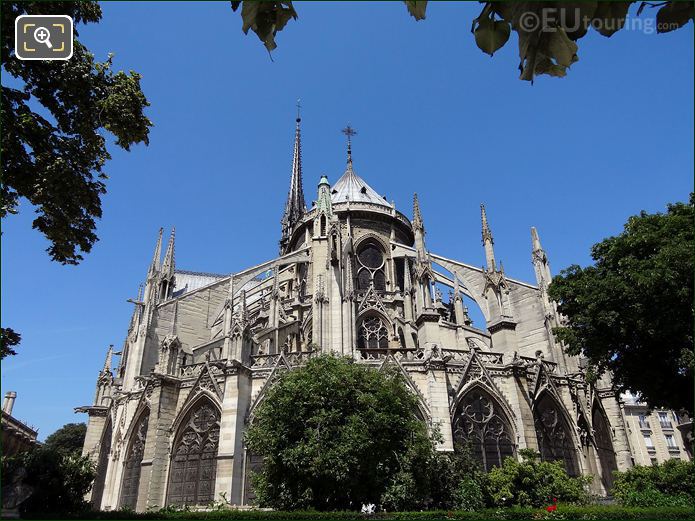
{"x":194,"y":457}
{"x":555,"y":442}
{"x":133,"y":463}
{"x":372,"y":334}
{"x":370,"y":267}
{"x":102,"y":465}
{"x":481,"y":424}
{"x":604,"y":445}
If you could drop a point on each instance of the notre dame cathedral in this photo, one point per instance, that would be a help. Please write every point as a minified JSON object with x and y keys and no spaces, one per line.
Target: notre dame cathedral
{"x":353,"y":277}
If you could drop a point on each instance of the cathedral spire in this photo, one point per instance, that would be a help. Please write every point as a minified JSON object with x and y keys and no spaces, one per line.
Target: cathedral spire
{"x":169,"y":265}
{"x":156,"y":258}
{"x":540,"y":260}
{"x":107,"y":362}
{"x":295,"y":207}
{"x":417,"y":215}
{"x":487,"y":240}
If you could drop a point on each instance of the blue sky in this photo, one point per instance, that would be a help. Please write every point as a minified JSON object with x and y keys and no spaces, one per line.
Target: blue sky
{"x":574,"y":157}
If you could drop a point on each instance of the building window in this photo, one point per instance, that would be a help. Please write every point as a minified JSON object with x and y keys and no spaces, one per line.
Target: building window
{"x":133,"y":463}
{"x":664,"y":421}
{"x":194,"y":458}
{"x":481,"y":424}
{"x":648,"y":441}
{"x":554,"y":436}
{"x":643,"y":421}
{"x":372,"y":334}
{"x":370,"y":268}
{"x":671,"y":442}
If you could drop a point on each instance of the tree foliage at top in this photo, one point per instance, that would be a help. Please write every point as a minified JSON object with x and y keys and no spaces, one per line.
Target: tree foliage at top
{"x":69,"y":438}
{"x":8,"y":339}
{"x":632,"y":312}
{"x":53,"y":147}
{"x":547,"y":31}
{"x":335,"y":435}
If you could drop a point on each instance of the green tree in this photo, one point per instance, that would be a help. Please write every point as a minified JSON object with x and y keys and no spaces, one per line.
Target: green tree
{"x":534,"y":483}
{"x":669,"y":484}
{"x":58,"y":480}
{"x":8,"y":339}
{"x":547,"y":31}
{"x":336,"y":435}
{"x":69,"y":438}
{"x":632,"y":312}
{"x":54,"y":115}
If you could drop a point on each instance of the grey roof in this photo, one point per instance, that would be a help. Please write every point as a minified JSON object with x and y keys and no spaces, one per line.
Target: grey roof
{"x":351,"y":187}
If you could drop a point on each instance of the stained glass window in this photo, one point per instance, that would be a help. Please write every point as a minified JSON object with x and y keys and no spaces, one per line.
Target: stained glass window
{"x":604,"y":444}
{"x":480,"y":424}
{"x":373,"y":334}
{"x":371,"y":268}
{"x":555,"y":443}
{"x":133,"y":462}
{"x":194,"y":458}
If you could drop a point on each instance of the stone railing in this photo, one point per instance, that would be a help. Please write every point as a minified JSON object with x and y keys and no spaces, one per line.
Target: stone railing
{"x":402,"y":355}
{"x":293,"y":358}
{"x":463,"y":355}
{"x":551,"y":367}
{"x":194,"y":370}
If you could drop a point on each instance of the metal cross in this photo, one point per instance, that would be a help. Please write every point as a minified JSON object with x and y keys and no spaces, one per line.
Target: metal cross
{"x":349,"y":132}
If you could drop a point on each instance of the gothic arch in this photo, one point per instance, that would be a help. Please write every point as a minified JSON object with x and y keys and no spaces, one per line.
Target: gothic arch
{"x":102,"y":464}
{"x":481,"y":422}
{"x":374,"y":330}
{"x":556,"y":441}
{"x":372,"y":237}
{"x":604,"y":445}
{"x":132,"y":463}
{"x":193,"y":464}
{"x":191,"y":401}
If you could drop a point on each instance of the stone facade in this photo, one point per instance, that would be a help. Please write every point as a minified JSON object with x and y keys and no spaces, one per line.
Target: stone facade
{"x":654,"y":434}
{"x":353,"y":277}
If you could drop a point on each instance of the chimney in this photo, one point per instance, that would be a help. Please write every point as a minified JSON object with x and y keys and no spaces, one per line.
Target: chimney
{"x":8,"y":402}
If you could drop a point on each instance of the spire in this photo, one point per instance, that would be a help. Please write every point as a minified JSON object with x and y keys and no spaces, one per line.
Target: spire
{"x":535,"y":240}
{"x":323,"y":201}
{"x":539,"y":260}
{"x":417,"y":216}
{"x":154,"y":266}
{"x":107,"y":362}
{"x":349,"y":132}
{"x":487,"y":240}
{"x":169,"y":264}
{"x":295,"y":207}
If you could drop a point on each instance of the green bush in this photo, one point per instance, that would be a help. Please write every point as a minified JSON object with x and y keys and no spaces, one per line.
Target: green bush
{"x":671,"y":483}
{"x":534,"y":483}
{"x":59,"y":480}
{"x":567,"y":512}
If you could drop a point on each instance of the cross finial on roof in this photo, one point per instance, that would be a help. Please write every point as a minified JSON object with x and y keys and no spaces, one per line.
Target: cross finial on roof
{"x":349,"y":132}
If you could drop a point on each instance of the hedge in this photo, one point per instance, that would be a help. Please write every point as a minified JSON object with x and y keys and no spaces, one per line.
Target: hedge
{"x":567,"y":512}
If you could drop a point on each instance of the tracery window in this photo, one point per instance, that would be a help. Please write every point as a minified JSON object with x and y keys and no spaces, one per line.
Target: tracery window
{"x":194,"y":457}
{"x":370,"y":269}
{"x":480,"y":423}
{"x":604,"y":445}
{"x":373,"y":334}
{"x":133,"y":462}
{"x":554,"y":439}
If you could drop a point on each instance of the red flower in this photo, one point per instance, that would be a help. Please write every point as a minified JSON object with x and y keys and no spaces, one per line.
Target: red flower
{"x":551,"y":508}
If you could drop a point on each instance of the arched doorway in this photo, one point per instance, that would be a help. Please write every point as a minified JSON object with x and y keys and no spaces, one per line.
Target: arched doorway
{"x":481,"y":424}
{"x":555,"y":441}
{"x":133,"y":463}
{"x":194,"y":456}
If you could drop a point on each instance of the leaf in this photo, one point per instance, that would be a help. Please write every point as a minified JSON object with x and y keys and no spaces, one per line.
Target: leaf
{"x":416,"y":8}
{"x":266,"y":19}
{"x":235,"y":5}
{"x":574,"y":17}
{"x":490,"y":35}
{"x":249,"y":12}
{"x":609,"y":17}
{"x":673,"y":16}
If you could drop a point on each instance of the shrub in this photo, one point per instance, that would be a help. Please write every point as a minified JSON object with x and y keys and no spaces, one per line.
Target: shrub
{"x":671,"y":483}
{"x":534,"y":483}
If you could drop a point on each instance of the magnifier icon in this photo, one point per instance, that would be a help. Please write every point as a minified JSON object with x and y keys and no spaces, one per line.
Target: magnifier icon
{"x":42,"y":35}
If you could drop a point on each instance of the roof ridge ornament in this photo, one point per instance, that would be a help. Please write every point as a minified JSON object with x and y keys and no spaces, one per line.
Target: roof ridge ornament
{"x":349,"y":132}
